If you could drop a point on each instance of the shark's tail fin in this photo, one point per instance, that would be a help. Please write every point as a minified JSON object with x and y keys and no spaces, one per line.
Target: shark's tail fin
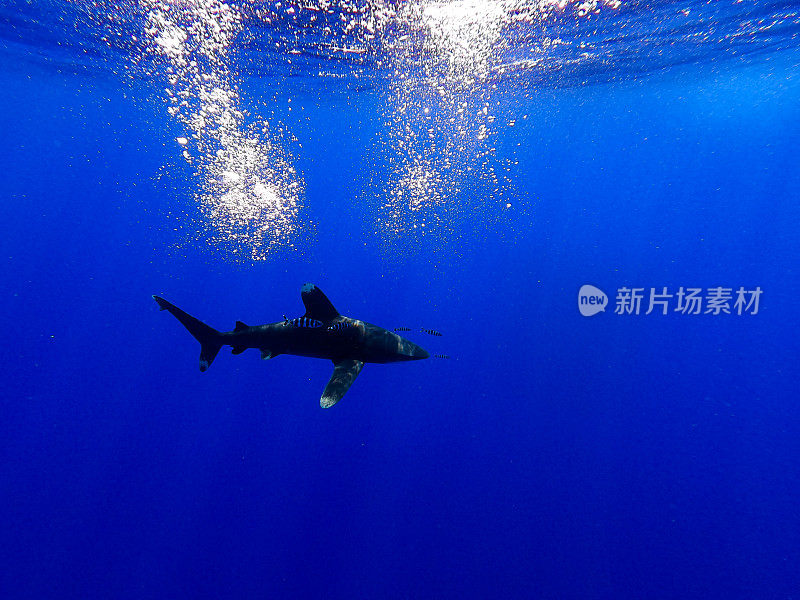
{"x":210,"y":339}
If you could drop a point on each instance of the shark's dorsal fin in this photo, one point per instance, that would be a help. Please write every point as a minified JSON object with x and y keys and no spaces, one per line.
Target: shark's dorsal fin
{"x":317,"y":304}
{"x":240,"y":326}
{"x":344,"y":374}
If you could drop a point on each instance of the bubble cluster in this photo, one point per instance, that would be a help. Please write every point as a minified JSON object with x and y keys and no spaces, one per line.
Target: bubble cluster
{"x":445,"y":59}
{"x":436,"y":63}
{"x":249,"y":191}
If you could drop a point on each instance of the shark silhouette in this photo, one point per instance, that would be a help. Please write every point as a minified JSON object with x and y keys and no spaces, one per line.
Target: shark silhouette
{"x":321,"y":333}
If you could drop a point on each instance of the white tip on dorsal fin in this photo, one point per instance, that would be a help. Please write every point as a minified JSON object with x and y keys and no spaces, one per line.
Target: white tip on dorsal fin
{"x":318,"y":307}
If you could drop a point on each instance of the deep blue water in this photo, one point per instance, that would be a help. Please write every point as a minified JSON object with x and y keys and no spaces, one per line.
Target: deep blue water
{"x":551,"y":456}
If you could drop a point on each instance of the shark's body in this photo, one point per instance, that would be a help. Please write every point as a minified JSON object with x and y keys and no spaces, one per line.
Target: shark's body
{"x":321,"y":333}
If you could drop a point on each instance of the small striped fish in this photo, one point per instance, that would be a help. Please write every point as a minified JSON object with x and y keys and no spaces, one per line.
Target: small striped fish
{"x":432,"y":332}
{"x":340,"y":326}
{"x":303,"y":322}
{"x":402,"y":328}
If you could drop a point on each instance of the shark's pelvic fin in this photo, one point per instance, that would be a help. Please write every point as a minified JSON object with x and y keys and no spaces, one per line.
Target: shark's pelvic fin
{"x":209,"y":338}
{"x":344,"y":374}
{"x":317,"y":305}
{"x":240,"y":326}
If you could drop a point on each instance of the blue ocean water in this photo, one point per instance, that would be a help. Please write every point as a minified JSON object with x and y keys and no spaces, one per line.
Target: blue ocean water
{"x":464,"y":166}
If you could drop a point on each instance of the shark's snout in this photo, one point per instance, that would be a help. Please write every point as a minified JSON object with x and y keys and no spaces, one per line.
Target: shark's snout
{"x":410,"y":351}
{"x":420,"y":353}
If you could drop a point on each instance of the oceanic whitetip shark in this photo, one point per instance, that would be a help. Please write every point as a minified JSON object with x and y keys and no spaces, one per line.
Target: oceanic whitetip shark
{"x":321,"y":333}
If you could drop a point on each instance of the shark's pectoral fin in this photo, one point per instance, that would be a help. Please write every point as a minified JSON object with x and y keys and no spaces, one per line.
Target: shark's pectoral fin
{"x":344,"y":374}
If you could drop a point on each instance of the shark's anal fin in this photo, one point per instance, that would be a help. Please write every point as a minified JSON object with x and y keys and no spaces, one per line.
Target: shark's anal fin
{"x":344,"y":374}
{"x":317,"y":305}
{"x":238,"y":349}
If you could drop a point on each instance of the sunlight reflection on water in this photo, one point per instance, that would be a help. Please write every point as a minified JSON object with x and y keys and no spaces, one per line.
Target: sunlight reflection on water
{"x":439,"y":114}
